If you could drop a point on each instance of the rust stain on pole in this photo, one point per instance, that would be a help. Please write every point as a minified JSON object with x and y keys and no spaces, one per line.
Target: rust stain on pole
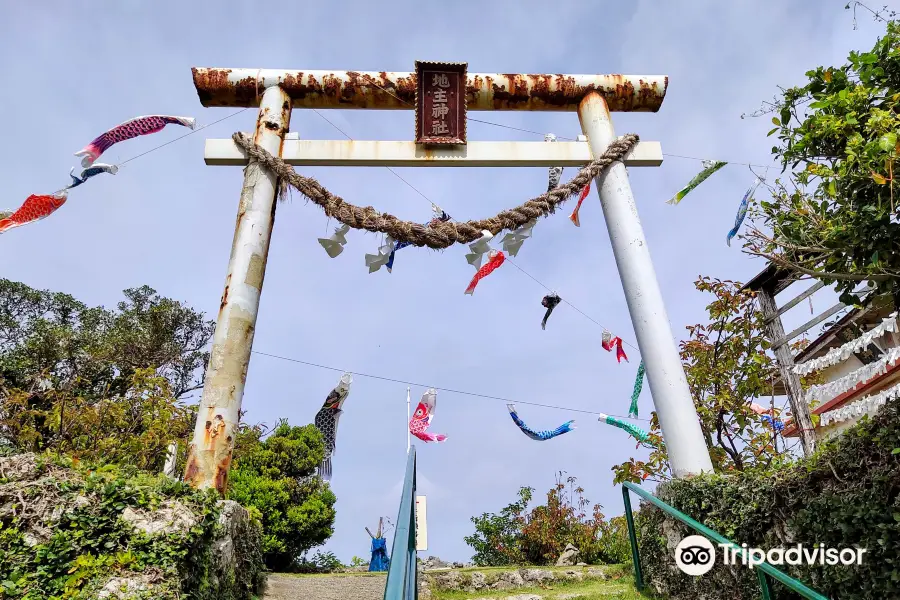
{"x":397,"y":90}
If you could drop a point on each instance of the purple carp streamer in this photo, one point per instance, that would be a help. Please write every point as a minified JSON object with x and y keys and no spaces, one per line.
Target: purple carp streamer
{"x":128,"y":130}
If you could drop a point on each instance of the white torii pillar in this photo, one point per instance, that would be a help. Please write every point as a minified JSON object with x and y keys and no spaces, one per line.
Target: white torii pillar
{"x":276,"y":92}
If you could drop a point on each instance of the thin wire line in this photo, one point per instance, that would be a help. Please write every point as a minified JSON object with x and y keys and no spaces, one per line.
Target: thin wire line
{"x":508,"y":259}
{"x":443,"y":389}
{"x":396,"y":174}
{"x":201,"y":128}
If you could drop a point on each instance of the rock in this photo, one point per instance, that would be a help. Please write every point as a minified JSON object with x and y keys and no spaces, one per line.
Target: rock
{"x":596,"y":574}
{"x":433,"y":562}
{"x":448,"y":581}
{"x":536,"y":575}
{"x":519,"y":597}
{"x":19,"y":467}
{"x":172,"y":517}
{"x":508,"y":580}
{"x":568,"y":596}
{"x":121,"y":588}
{"x":581,"y":564}
{"x":458,"y":565}
{"x":574,"y":575}
{"x":568,"y":557}
{"x":478,"y":581}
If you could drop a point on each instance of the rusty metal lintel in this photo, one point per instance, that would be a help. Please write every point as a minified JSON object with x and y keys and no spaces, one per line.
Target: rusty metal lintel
{"x":397,"y":90}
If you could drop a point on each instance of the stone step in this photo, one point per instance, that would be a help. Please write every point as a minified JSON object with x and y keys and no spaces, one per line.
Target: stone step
{"x":325,"y":587}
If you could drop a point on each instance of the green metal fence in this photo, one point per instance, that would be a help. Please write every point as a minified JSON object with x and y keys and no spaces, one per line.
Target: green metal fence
{"x":763,"y":571}
{"x":402,"y":574}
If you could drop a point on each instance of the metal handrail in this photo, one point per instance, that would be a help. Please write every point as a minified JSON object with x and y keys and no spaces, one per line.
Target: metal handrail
{"x":402,"y":574}
{"x":764,"y":570}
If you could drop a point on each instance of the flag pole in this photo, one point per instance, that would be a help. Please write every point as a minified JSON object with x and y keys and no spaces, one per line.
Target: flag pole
{"x":407,"y":420}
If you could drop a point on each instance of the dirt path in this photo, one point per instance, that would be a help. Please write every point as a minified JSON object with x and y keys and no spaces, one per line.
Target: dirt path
{"x":325,"y":587}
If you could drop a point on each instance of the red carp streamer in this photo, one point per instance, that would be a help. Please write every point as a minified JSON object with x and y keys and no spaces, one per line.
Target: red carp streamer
{"x":35,"y":208}
{"x":126,"y":131}
{"x":584,"y":193}
{"x":610,"y":342}
{"x":496,"y":259}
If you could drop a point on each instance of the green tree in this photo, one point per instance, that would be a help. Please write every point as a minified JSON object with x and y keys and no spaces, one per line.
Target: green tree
{"x":727,"y":369}
{"x":95,"y":383}
{"x":276,"y":476}
{"x":835,"y":217}
{"x":51,"y":340}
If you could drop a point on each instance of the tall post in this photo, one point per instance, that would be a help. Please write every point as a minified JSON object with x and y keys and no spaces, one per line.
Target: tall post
{"x":685,"y":444}
{"x":209,"y":456}
{"x":785,"y":360}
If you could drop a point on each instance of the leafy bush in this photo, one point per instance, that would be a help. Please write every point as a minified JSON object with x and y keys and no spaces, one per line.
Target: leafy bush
{"x":541,"y":535}
{"x":844,"y":495}
{"x":276,"y":476}
{"x":134,"y":429}
{"x":63,"y":535}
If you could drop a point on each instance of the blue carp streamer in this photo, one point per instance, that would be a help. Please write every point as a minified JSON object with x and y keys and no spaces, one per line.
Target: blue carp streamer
{"x":541,"y":436}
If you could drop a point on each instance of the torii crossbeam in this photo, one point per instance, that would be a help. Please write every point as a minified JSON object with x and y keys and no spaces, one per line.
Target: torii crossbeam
{"x":445,"y":94}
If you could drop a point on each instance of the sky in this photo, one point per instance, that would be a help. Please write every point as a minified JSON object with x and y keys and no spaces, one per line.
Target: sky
{"x":167,"y":220}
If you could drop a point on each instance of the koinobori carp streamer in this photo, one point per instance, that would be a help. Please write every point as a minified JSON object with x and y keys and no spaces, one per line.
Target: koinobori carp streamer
{"x":128,"y":130}
{"x":609,"y":342}
{"x":540,"y":436}
{"x":709,"y":167}
{"x":496,"y":258}
{"x":35,"y":208}
{"x":326,"y":421}
{"x":421,"y":419}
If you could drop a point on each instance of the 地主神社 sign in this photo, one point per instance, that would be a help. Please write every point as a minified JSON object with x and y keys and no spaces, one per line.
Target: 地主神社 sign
{"x":440,"y":103}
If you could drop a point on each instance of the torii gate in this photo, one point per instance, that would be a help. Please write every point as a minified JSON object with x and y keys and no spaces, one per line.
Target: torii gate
{"x":440,"y":93}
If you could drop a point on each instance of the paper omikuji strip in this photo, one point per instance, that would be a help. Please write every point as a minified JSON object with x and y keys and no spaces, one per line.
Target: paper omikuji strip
{"x":638,"y":386}
{"x":581,"y":197}
{"x":742,"y":211}
{"x":540,"y":436}
{"x":326,"y":421}
{"x":709,"y":167}
{"x":128,"y":130}
{"x":637,"y":432}
{"x":421,"y":419}
{"x":35,"y":208}
{"x":496,"y":259}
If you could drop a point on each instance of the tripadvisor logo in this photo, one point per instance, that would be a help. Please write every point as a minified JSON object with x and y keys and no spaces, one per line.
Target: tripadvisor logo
{"x":695,"y":555}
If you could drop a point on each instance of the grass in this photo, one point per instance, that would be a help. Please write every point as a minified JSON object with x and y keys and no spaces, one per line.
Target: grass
{"x":622,"y":589}
{"x":619,"y":586}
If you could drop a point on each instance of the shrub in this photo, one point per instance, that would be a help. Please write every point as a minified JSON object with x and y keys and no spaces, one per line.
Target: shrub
{"x":845,"y":495}
{"x":541,"y":535}
{"x":276,"y":476}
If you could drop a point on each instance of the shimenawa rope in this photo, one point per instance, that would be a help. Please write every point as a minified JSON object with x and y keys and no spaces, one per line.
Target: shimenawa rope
{"x":437,"y":235}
